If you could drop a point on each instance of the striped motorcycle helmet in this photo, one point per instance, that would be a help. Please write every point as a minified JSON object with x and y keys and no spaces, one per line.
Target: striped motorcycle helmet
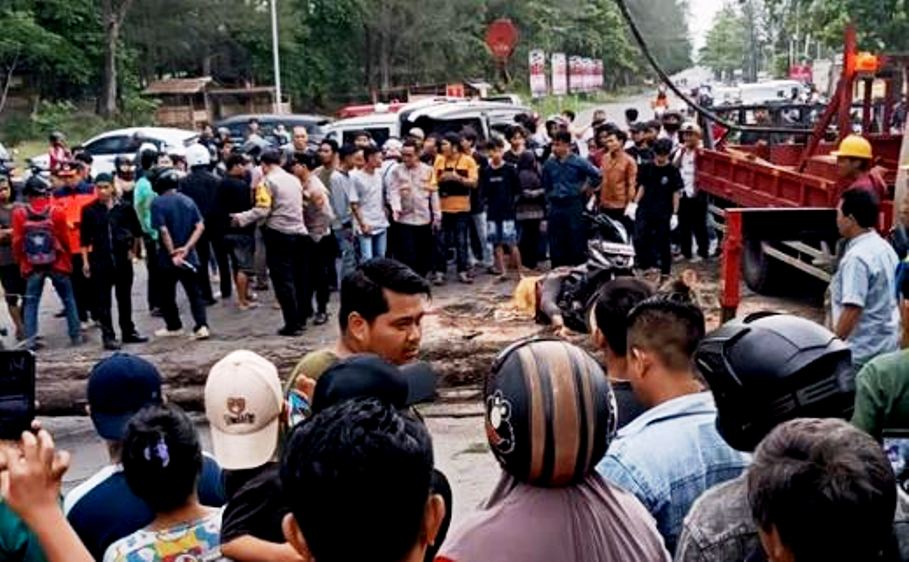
{"x":550,"y":412}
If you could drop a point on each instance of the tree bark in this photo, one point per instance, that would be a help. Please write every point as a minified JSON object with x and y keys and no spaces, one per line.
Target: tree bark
{"x":8,"y":81}
{"x":112,"y":15}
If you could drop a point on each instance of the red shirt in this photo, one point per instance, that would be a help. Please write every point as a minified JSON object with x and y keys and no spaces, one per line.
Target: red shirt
{"x":64,"y":262}
{"x":871,"y":181}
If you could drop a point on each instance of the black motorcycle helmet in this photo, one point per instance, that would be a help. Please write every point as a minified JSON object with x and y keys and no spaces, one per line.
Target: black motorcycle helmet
{"x":36,"y":186}
{"x":550,"y":412}
{"x":769,"y":368}
{"x":164,"y":179}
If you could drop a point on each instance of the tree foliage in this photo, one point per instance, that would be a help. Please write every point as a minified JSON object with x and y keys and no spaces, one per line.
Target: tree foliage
{"x":724,"y":50}
{"x":332,"y":51}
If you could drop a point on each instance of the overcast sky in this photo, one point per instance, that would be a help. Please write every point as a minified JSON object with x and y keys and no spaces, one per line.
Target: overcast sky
{"x":702,"y":12}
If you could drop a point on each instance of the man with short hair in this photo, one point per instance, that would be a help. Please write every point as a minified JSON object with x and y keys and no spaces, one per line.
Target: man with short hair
{"x":328,"y":161}
{"x":179,"y":224}
{"x":340,"y":185}
{"x":655,"y":210}
{"x":103,"y":509}
{"x":478,"y":245}
{"x":692,"y":202}
{"x":663,"y":333}
{"x":279,"y":201}
{"x":754,"y":365}
{"x":501,"y":185}
{"x":567,"y":180}
{"x":362,"y":139}
{"x":367,"y":454}
{"x":862,"y":292}
{"x":238,"y":242}
{"x":609,"y":334}
{"x":456,"y":175}
{"x":620,"y":176}
{"x":821,"y":490}
{"x":110,"y":234}
{"x":320,"y":244}
{"x":383,"y":303}
{"x":367,"y":204}
{"x":430,"y":149}
{"x":414,"y":201}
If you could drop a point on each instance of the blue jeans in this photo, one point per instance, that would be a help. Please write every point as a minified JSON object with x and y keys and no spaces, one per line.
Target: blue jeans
{"x":34,"y":286}
{"x":347,"y":253}
{"x":373,"y":245}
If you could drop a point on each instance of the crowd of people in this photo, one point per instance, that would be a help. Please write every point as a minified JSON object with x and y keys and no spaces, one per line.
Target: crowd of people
{"x":770,"y":438}
{"x":299,"y":217}
{"x":690,"y":445}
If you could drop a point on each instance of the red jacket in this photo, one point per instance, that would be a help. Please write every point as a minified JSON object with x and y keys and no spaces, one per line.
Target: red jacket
{"x":64,"y":262}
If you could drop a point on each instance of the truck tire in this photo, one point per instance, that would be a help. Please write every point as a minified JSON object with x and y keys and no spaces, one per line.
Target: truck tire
{"x":760,"y":271}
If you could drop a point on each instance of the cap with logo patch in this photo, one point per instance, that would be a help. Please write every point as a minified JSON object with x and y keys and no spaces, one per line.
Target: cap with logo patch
{"x":243,"y":403}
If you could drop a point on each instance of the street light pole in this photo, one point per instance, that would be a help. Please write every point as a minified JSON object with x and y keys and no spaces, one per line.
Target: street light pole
{"x":275,"y":55}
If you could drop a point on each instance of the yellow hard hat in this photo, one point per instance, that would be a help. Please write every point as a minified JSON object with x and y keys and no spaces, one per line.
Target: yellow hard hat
{"x":854,"y":146}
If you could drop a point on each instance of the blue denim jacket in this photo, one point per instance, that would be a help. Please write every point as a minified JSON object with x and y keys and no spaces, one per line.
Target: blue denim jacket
{"x":565,"y":179}
{"x":669,"y":456}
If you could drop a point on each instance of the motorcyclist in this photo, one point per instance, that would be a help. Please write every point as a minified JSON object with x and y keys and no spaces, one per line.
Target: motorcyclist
{"x":763,"y":370}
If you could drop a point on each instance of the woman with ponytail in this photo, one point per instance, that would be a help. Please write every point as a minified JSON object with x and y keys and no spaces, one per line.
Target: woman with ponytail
{"x":161,"y":461}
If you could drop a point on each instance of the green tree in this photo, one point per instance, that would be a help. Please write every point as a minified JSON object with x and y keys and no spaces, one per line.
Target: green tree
{"x":724,"y":50}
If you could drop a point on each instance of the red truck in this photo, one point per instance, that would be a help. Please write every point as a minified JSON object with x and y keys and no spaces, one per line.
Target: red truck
{"x":778,"y":200}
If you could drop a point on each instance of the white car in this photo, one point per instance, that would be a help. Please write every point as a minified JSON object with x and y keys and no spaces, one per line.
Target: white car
{"x":105,"y":147}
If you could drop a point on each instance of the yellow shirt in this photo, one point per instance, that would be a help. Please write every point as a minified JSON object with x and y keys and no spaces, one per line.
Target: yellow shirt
{"x":453,"y":195}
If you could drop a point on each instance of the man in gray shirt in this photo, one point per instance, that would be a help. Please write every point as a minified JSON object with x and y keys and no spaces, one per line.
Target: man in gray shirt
{"x":863,"y":290}
{"x":279,"y":201}
{"x":340,"y":185}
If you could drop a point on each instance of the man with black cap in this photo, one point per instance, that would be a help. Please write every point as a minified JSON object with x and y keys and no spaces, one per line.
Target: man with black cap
{"x":110,"y":234}
{"x":103,"y":509}
{"x":74,"y":196}
{"x":765,"y":370}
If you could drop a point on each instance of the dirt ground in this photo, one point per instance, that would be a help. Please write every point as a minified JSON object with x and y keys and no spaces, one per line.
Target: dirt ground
{"x":467,"y":326}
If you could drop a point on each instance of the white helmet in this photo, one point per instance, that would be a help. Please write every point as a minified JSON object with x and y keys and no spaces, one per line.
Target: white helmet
{"x":197,"y":155}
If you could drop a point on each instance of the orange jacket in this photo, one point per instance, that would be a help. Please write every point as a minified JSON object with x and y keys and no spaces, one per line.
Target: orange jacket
{"x":72,"y":204}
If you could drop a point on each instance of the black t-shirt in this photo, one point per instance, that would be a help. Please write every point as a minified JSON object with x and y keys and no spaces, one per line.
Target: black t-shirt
{"x":501,"y":187}
{"x":200,"y":186}
{"x":641,"y":154}
{"x":257,"y":508}
{"x":109,"y":232}
{"x":660,"y":184}
{"x":627,"y":403}
{"x":233,"y":195}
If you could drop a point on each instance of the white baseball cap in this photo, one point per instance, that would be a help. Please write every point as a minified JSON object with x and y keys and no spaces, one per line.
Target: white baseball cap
{"x":243,"y":403}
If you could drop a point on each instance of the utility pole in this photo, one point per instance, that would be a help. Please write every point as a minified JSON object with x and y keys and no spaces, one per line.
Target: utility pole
{"x":275,"y":55}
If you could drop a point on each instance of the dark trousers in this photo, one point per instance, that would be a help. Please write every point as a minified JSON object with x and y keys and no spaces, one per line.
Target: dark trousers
{"x":320,"y":257}
{"x":529,"y":240}
{"x":287,"y":267}
{"x":567,"y":233}
{"x":118,"y":278}
{"x":693,"y":221}
{"x":414,"y":247}
{"x":619,"y":215}
{"x":169,"y":277}
{"x":653,"y":245}
{"x":220,"y":250}
{"x":455,"y":227}
{"x":154,"y":272}
{"x":203,"y":248}
{"x":82,"y":291}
